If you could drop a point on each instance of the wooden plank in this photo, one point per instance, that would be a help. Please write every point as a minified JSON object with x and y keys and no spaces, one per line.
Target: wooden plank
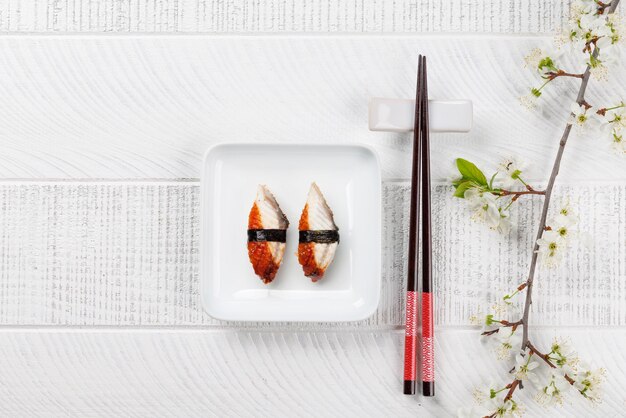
{"x":509,"y":16}
{"x":56,"y":372}
{"x":148,"y":107}
{"x":94,"y":253}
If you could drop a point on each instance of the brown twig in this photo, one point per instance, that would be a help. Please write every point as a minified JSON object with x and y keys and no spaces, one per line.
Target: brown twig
{"x":539,"y":354}
{"x":560,"y":73}
{"x":602,"y":6}
{"x":512,"y":388}
{"x":505,"y":324}
{"x":548,"y":195}
{"x":517,"y":194}
{"x":602,"y":112}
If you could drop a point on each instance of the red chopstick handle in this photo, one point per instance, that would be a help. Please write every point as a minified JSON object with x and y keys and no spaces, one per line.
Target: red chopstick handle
{"x":428,"y":349}
{"x":410,"y":343}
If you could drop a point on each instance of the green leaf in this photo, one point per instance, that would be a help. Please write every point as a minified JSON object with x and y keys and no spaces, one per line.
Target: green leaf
{"x":462,"y":188}
{"x":492,"y":179}
{"x":470,"y":171}
{"x":457,"y":182}
{"x":547,"y":63}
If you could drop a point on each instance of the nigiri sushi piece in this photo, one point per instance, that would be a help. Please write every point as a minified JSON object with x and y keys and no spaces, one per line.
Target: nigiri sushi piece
{"x":267,"y":234}
{"x":319,"y":236}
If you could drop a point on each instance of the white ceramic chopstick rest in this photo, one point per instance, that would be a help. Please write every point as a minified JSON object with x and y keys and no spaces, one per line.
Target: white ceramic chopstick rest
{"x":398,"y":115}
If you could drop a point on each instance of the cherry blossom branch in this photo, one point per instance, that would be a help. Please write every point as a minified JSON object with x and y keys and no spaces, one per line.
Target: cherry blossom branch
{"x":546,"y":359}
{"x":509,"y":395}
{"x":548,"y":195}
{"x":517,"y":383}
{"x":552,"y":239}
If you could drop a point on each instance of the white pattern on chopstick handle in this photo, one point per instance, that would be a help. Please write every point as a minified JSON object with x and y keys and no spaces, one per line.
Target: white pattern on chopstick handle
{"x":428,"y":360}
{"x":410,"y":336}
{"x":428,"y":357}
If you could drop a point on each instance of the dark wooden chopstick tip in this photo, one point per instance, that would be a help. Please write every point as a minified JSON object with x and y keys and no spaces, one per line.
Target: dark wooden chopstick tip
{"x":428,"y":388}
{"x":409,"y":387}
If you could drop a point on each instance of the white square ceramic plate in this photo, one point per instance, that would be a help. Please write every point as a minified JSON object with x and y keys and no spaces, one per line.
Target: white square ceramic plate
{"x":349,"y":177}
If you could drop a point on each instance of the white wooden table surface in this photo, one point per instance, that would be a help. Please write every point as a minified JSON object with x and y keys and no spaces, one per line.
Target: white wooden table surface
{"x":106,"y":110}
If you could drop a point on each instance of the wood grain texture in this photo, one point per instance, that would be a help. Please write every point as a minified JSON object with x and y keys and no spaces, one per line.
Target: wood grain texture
{"x":95,"y":253}
{"x":276,"y":16}
{"x":99,"y":286}
{"x":148,"y":107}
{"x":249,"y":373}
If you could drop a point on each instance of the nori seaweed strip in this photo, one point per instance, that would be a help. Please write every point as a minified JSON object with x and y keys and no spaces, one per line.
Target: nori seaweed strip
{"x":271,"y":235}
{"x":320,"y":237}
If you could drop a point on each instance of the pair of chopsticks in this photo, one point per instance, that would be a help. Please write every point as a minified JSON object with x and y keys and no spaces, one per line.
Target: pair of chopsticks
{"x":420,"y":178}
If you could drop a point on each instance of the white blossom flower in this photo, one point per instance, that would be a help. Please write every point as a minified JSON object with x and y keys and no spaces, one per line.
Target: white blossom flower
{"x":543,"y":61}
{"x":599,"y":71}
{"x":486,"y":392}
{"x":551,"y":248}
{"x":564,"y":226}
{"x":618,"y":143}
{"x":608,"y":56}
{"x":590,"y":31}
{"x":552,"y":393}
{"x":524,"y":366}
{"x":562,"y":346}
{"x":616,"y":22}
{"x":578,"y":52}
{"x":529,"y":101}
{"x":506,"y":341}
{"x":505,"y":310}
{"x":561,"y":38}
{"x":485,"y":210}
{"x":589,"y":383}
{"x":565,"y":220}
{"x":611,"y":33}
{"x":566,"y":211}
{"x":599,"y":66}
{"x":582,"y":28}
{"x":487,"y":322}
{"x":591,"y":23}
{"x":511,"y":168}
{"x":580,"y":115}
{"x":579,"y":7}
{"x":564,"y":357}
{"x":614,"y":121}
{"x":504,"y":224}
{"x":605,"y":42}
{"x":533,"y":58}
{"x":616,"y":118}
{"x":507,"y":409}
